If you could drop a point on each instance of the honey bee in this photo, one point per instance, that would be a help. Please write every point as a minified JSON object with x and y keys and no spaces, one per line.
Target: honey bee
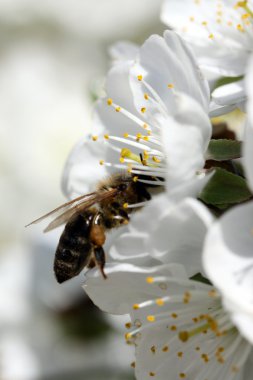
{"x":87,"y":219}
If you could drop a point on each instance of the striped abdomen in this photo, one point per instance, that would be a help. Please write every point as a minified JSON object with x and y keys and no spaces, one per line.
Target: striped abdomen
{"x":74,"y":249}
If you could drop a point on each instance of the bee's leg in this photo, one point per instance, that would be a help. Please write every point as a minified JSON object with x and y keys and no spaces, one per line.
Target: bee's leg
{"x":99,"y":255}
{"x":92,"y":263}
{"x":120,"y":213}
{"x":143,"y":192}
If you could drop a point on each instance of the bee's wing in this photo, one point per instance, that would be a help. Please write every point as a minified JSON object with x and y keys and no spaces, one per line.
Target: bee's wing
{"x":64,"y":206}
{"x":81,"y":206}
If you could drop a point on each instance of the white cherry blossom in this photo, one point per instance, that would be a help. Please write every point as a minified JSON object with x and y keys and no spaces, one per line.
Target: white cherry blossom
{"x":178,"y":326}
{"x":221,"y":33}
{"x":228,"y":254}
{"x":154,"y":120}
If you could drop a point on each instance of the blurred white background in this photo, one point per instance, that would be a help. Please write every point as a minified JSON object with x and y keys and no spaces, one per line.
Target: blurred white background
{"x":52,"y":55}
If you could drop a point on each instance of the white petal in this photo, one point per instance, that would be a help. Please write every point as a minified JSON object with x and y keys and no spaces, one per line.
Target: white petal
{"x":248,"y":141}
{"x":229,"y":94}
{"x":179,"y":235}
{"x":82,"y":170}
{"x":218,"y":110}
{"x":185,"y":139}
{"x":228,"y":259}
{"x":123,"y":51}
{"x":164,"y":61}
{"x":126,"y":285}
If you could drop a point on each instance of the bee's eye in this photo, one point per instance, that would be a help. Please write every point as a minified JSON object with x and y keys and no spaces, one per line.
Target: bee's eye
{"x":122,"y":187}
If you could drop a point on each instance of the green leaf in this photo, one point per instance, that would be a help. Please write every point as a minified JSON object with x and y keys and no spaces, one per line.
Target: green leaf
{"x":227,"y":80}
{"x":222,"y":150}
{"x":225,"y":189}
{"x":198,"y":277}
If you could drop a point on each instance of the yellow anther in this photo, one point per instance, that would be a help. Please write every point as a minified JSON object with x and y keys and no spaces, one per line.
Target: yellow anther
{"x":101,"y":162}
{"x":220,"y":349}
{"x":182,"y":375}
{"x":204,"y":23}
{"x":153,"y":349}
{"x":145,"y":155}
{"x":135,"y":178}
{"x":145,"y":138}
{"x":180,"y":354}
{"x":128,"y":336}
{"x":155,"y":159}
{"x":133,"y":364}
{"x":139,"y":77}
{"x":152,"y":374}
{"x":183,"y":336}
{"x":125,"y":205}
{"x":197,"y":348}
{"x":94,"y":138}
{"x":245,"y":16}
{"x":173,"y":328}
{"x":109,"y":102}
{"x":126,"y":135}
{"x":165,"y":349}
{"x":174,"y":315}
{"x":127,"y":153}
{"x":143,"y":109}
{"x":117,"y":109}
{"x":150,"y":318}
{"x":136,"y":306}
{"x":149,"y":133}
{"x":146,"y":96}
{"x":128,"y":325}
{"x":138,"y":136}
{"x":150,"y":280}
{"x":170,"y":85}
{"x":106,"y":137}
{"x":145,"y":126}
{"x":122,"y":160}
{"x":159,"y":301}
{"x":195,"y":320}
{"x":240,"y":28}
{"x":211,"y":36}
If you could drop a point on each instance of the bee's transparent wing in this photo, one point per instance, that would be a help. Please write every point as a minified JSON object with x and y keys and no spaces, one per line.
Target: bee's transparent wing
{"x":64,"y":206}
{"x":83,"y":205}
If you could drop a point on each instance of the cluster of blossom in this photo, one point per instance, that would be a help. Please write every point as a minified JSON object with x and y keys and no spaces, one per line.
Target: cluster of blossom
{"x":183,"y":267}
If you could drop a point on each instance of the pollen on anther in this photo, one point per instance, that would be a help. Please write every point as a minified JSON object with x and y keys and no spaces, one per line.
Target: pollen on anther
{"x":106,"y":136}
{"x":139,"y":77}
{"x":174,"y":315}
{"x":180,"y":354}
{"x":182,"y":375}
{"x":170,"y":85}
{"x":133,"y":364}
{"x":135,"y":178}
{"x":128,"y":336}
{"x":126,"y":135}
{"x":101,"y":162}
{"x":173,"y":328}
{"x":146,"y":96}
{"x":153,"y":349}
{"x":145,"y":126}
{"x":211,"y":36}
{"x":117,"y":109}
{"x":150,"y":280}
{"x":165,"y":349}
{"x":128,"y":325}
{"x":150,"y":318}
{"x":151,"y":374}
{"x":159,"y":301}
{"x":109,"y":102}
{"x":136,"y":306}
{"x":122,"y":160}
{"x":183,"y":336}
{"x":125,"y":205}
{"x":143,"y":109}
{"x":94,"y":138}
